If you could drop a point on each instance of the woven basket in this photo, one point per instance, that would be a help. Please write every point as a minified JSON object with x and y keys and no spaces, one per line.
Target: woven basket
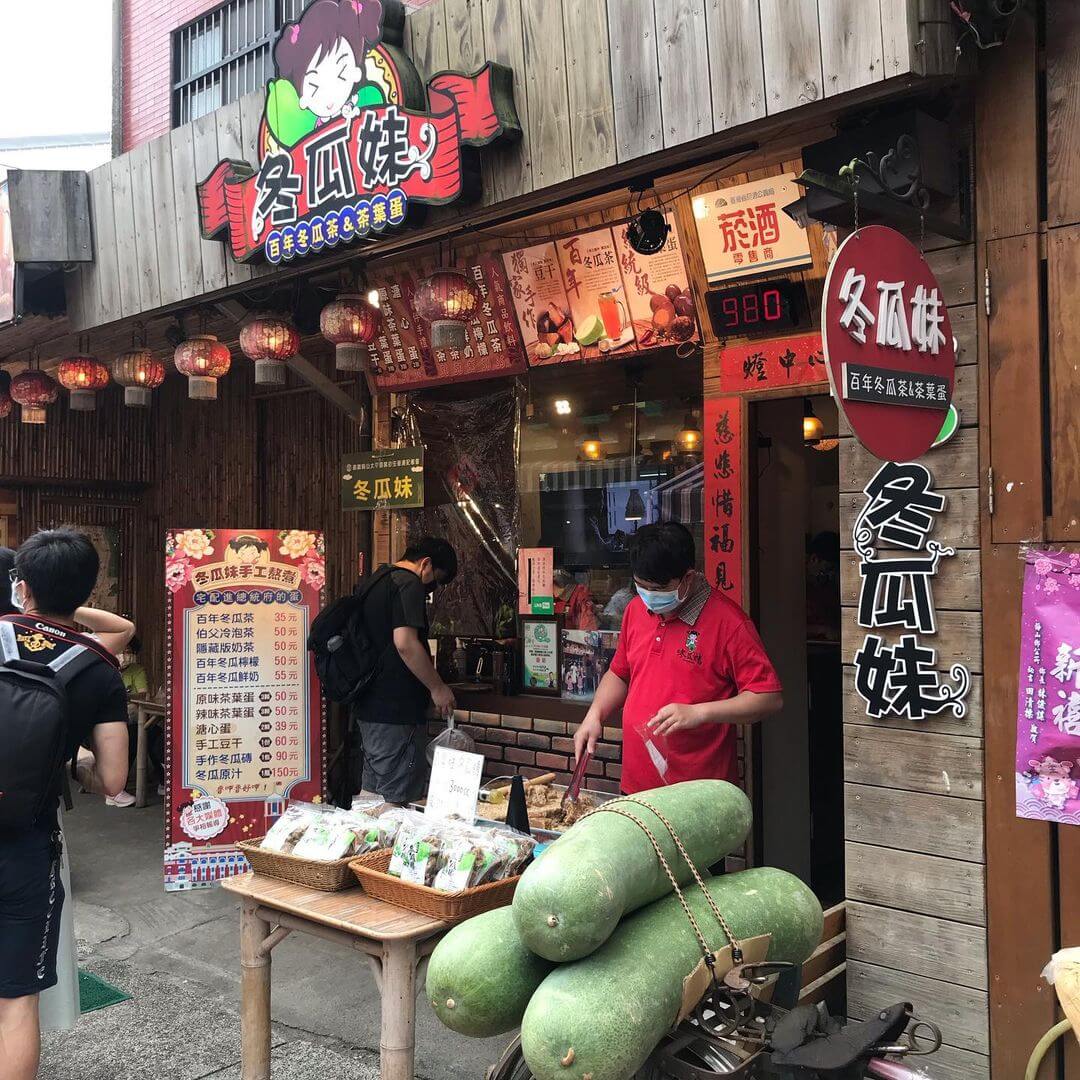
{"x":370,"y":871}
{"x":326,"y":876}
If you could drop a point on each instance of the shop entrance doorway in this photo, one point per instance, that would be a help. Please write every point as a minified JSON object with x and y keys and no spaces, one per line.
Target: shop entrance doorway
{"x":795,"y":600}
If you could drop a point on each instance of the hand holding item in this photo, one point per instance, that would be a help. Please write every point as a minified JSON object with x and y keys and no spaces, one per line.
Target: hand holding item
{"x":443,"y":697}
{"x":675,"y":717}
{"x":589,"y":730}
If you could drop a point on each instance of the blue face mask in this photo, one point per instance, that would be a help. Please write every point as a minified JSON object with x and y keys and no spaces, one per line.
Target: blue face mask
{"x":659,"y":601}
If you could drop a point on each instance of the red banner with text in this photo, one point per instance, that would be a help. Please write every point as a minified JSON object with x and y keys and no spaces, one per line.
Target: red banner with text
{"x":723,"y":512}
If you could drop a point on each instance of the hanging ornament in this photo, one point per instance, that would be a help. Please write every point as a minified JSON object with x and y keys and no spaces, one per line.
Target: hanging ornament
{"x":269,"y":342}
{"x":447,"y":300}
{"x":140,"y":374}
{"x":33,"y":390}
{"x":82,"y":377}
{"x":350,"y":324}
{"x":204,"y":360}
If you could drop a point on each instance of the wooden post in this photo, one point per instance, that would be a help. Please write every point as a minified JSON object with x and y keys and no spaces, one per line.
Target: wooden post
{"x":141,"y":752}
{"x":254,"y":995}
{"x":397,"y":1039}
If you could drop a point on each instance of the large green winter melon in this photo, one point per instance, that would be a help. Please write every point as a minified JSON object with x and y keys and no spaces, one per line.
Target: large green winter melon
{"x":602,"y":1016}
{"x":570,"y":900}
{"x":480,"y":976}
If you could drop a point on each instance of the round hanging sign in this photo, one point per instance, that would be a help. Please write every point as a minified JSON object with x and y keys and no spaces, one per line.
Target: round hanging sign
{"x":888,"y":343}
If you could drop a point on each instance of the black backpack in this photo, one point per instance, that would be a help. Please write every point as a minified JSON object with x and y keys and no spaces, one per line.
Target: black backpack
{"x":346,"y":659}
{"x":34,"y":723}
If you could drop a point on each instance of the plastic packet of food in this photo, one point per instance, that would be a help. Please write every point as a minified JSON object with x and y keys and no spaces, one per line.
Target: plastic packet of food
{"x":467,"y":856}
{"x":366,"y":831}
{"x":287,"y":831}
{"x":329,"y":837}
{"x":416,"y":852}
{"x":368,"y":803}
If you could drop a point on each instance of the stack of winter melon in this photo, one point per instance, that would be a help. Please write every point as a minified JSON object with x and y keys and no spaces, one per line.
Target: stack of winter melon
{"x":590,"y":959}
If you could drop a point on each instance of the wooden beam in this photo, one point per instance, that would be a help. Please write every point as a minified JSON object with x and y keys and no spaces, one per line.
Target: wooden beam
{"x":306,"y":370}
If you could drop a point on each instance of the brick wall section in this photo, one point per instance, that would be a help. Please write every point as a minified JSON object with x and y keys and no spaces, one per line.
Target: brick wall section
{"x":533,"y":746}
{"x":147,"y":59}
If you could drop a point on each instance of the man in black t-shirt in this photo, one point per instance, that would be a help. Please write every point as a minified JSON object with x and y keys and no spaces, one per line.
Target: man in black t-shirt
{"x":391,"y":715}
{"x":54,"y":573}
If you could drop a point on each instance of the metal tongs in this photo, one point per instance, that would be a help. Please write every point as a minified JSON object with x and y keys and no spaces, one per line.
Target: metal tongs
{"x":571,"y":793}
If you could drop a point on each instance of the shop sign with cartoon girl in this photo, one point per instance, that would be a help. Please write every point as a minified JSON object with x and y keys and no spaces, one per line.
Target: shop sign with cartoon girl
{"x":350,"y":136}
{"x":1048,"y":705}
{"x":245,"y":714}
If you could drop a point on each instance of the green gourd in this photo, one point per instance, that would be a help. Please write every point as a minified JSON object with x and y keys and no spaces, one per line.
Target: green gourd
{"x":480,"y":976}
{"x":601,"y":1017}
{"x":569,"y":901}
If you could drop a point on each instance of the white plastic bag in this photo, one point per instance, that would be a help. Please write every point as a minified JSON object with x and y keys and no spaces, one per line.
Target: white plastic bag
{"x":452,"y":738}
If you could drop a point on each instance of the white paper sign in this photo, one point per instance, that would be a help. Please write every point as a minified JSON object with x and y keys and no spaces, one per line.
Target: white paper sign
{"x":455,"y":784}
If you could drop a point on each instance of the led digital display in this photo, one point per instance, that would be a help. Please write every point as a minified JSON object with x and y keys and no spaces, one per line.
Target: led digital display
{"x":765,"y":307}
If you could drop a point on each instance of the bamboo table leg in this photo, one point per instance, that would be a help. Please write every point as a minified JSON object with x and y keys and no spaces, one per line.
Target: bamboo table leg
{"x":141,"y":753}
{"x":397,"y":1040}
{"x":254,"y":996}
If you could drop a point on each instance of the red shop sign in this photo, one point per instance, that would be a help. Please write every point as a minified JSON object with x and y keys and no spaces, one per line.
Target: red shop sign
{"x":888,"y":343}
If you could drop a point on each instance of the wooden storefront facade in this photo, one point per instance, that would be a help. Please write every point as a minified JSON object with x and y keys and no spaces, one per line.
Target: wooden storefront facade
{"x":952,"y":902}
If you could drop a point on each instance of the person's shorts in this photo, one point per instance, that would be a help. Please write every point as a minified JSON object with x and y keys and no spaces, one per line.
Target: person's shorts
{"x":31,"y":898}
{"x":395,"y":760}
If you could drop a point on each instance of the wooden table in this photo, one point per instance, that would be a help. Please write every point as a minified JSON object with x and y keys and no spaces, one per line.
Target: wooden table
{"x":395,"y":942}
{"x":147,"y":713}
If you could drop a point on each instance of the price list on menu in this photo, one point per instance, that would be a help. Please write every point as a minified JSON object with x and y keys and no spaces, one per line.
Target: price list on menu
{"x":247,"y":668}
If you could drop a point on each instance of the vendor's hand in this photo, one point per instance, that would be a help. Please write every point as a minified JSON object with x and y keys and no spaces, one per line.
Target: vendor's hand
{"x":443,"y":697}
{"x":589,"y":730}
{"x":672,"y":718}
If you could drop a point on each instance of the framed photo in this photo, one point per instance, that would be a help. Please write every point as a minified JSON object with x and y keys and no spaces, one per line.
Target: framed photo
{"x":541,"y":654}
{"x":586,"y":655}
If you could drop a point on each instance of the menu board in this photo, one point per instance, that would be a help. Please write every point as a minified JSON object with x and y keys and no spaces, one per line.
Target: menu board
{"x":594,"y":290}
{"x":402,"y":359}
{"x":245,"y":713}
{"x":543,"y":311}
{"x":658,"y":290}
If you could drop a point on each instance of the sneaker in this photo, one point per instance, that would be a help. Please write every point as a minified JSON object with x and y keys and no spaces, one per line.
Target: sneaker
{"x":123,"y":798}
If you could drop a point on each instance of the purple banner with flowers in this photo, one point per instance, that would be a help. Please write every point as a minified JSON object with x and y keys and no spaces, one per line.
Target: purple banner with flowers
{"x":1048,"y":705}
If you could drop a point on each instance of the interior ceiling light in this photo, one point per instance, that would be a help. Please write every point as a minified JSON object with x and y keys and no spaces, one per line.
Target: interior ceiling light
{"x":591,"y":447}
{"x":689,"y":439}
{"x":812,"y":427}
{"x":635,"y":506}
{"x":562,"y":407}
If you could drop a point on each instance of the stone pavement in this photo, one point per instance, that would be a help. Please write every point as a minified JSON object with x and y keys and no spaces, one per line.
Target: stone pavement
{"x":177,"y":954}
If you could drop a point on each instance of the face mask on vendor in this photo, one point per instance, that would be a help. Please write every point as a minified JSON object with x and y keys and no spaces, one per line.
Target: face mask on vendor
{"x":663,"y":601}
{"x":427,"y":576}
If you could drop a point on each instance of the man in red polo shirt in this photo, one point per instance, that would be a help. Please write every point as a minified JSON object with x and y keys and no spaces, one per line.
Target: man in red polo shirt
{"x":689,"y":666}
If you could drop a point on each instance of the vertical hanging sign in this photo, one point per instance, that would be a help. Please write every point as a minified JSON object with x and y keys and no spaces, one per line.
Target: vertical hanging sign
{"x":1048,"y":705}
{"x":723,"y":495}
{"x":245,"y":713}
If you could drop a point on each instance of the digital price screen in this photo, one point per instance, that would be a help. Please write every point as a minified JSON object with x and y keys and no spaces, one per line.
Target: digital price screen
{"x":761,"y":308}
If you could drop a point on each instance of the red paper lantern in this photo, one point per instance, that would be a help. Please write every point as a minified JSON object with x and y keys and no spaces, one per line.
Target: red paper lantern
{"x":33,"y":390}
{"x":6,"y":405}
{"x":140,"y":374}
{"x":83,"y":377}
{"x":269,"y":342}
{"x":204,"y":360}
{"x":350,"y":324}
{"x":448,"y":300}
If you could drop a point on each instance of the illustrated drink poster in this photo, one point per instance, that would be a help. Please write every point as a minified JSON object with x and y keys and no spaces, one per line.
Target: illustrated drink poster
{"x":594,"y":290}
{"x":1048,"y":704}
{"x":658,"y":291}
{"x":245,"y":712}
{"x":543,"y":311}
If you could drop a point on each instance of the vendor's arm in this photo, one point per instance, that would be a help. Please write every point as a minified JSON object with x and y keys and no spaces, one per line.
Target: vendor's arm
{"x":745,"y":708}
{"x":113,"y":631}
{"x":418,"y":660}
{"x":609,"y":698}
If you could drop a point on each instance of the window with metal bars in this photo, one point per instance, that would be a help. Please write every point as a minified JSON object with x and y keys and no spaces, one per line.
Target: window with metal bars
{"x":225,"y":54}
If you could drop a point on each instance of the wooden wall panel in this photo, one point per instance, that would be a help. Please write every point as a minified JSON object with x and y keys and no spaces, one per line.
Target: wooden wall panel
{"x":545,"y":66}
{"x":682,"y":47}
{"x":106,"y":257}
{"x":588,"y":77}
{"x":1063,"y":343}
{"x":635,"y":79}
{"x":425,"y":31}
{"x":464,"y":21}
{"x":1062,"y":112}
{"x":508,"y":169}
{"x":738,"y":79}
{"x":124,"y":232}
{"x":145,"y":257}
{"x":851,"y":46}
{"x":791,"y":49}
{"x":913,"y":761}
{"x":957,"y":469}
{"x":206,"y":157}
{"x":230,"y":144}
{"x":165,"y":233}
{"x":189,"y":241}
{"x":971,"y":723}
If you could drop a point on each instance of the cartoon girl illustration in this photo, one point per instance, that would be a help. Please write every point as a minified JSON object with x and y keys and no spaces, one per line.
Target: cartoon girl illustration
{"x":320,"y":62}
{"x":247,"y":551}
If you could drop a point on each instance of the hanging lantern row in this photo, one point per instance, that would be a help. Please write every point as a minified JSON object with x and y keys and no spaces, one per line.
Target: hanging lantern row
{"x":33,"y":390}
{"x":140,"y":374}
{"x":6,"y":404}
{"x":447,"y":299}
{"x":270,"y":342}
{"x":350,"y":324}
{"x":82,"y":376}
{"x":204,"y":360}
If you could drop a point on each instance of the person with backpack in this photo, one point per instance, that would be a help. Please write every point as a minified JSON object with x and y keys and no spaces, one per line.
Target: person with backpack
{"x":371,"y":654}
{"x":58,"y":688}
